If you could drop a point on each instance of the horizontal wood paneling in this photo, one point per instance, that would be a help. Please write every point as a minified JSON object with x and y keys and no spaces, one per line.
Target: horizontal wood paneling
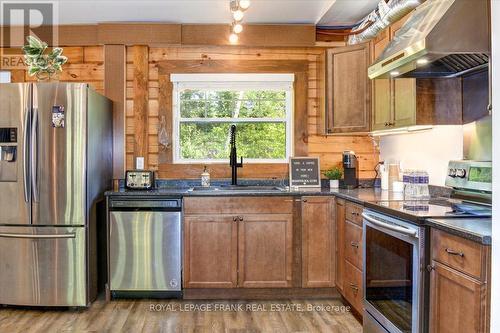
{"x":255,"y":35}
{"x":163,"y":34}
{"x":85,"y":64}
{"x":328,"y":148}
{"x":139,"y":33}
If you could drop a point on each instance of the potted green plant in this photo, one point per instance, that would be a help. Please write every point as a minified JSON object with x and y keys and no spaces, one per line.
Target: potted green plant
{"x":334,"y":174}
{"x":42,"y":63}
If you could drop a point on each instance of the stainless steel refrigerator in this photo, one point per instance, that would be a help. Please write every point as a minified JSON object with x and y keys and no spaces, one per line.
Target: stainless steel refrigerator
{"x":56,"y":163}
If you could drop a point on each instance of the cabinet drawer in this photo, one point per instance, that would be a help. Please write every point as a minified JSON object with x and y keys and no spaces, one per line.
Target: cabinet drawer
{"x":353,"y":213}
{"x":353,"y":286}
{"x":461,"y":254}
{"x":238,"y":205}
{"x":353,"y":245}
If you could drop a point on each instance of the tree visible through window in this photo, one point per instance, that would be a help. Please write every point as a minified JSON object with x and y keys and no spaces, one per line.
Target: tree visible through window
{"x":204,"y":113}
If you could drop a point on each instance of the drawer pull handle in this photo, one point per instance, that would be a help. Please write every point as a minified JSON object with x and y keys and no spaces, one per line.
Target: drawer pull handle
{"x":354,"y":287}
{"x":454,"y":253}
{"x":354,"y":244}
{"x":355,"y":213}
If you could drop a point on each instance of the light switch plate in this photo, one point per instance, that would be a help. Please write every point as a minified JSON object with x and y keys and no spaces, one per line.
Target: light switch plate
{"x":139,"y":163}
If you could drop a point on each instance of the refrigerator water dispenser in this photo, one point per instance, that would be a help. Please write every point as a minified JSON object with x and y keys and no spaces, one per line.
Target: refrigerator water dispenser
{"x":8,"y":152}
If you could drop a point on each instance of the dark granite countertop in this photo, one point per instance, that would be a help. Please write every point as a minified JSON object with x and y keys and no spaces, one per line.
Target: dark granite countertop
{"x":476,"y":229}
{"x":359,"y":196}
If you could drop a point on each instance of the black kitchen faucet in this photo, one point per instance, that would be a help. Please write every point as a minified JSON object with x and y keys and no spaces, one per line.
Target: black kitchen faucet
{"x":233,"y":158}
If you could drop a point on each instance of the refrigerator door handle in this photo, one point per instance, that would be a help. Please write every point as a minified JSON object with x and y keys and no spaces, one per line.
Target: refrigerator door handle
{"x":34,"y":155}
{"x":28,"y":236}
{"x":26,"y":155}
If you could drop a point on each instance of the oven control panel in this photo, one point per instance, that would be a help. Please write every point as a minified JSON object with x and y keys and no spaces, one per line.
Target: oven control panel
{"x":470,"y":175}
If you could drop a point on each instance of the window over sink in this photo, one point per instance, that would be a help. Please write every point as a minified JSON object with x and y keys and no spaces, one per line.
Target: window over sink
{"x":206,"y":105}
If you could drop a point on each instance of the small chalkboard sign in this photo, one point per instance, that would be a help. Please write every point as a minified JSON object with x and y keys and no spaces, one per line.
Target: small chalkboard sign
{"x":304,"y":172}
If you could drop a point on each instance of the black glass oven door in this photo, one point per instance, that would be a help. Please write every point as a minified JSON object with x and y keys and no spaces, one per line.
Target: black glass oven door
{"x":389,"y":277}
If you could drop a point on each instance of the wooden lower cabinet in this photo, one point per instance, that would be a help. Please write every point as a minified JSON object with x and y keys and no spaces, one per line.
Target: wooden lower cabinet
{"x":340,"y":233}
{"x":459,"y":285}
{"x":240,"y":249}
{"x":350,"y":253}
{"x":353,"y":286}
{"x":265,"y":251}
{"x":210,"y":251}
{"x":353,"y":244}
{"x":458,"y":302}
{"x":318,"y":242}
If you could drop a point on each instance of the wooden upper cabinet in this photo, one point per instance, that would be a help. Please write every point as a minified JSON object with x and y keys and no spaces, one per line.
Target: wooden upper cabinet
{"x":394,"y":100}
{"x":348,"y":89}
{"x":407,"y":102}
{"x":381,"y":95}
{"x":265,"y":251}
{"x":318,"y":242}
{"x":382,"y":106}
{"x":404,"y":91}
{"x":458,"y":302}
{"x":210,"y":251}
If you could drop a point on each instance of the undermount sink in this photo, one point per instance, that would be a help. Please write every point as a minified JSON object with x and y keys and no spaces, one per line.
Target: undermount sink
{"x":248,"y":188}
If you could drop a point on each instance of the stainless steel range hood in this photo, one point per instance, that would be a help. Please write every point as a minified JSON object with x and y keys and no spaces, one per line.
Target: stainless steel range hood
{"x":442,"y":38}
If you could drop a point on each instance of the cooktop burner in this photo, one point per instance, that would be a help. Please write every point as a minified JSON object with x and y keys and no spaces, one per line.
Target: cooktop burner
{"x":434,"y":208}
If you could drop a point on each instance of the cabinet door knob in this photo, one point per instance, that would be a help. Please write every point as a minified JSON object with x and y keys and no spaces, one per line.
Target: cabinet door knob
{"x":430,"y":268}
{"x":235,"y":218}
{"x":454,"y":253}
{"x":354,"y":244}
{"x":240,"y":218}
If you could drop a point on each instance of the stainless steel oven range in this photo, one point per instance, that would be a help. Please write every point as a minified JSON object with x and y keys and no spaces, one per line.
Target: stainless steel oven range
{"x":395,"y":238}
{"x":394,"y":278}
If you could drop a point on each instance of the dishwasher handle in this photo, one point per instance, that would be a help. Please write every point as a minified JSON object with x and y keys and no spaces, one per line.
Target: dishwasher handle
{"x":138,"y":205}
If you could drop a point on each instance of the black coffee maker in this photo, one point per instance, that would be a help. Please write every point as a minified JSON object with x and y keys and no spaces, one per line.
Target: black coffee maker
{"x":351,"y":169}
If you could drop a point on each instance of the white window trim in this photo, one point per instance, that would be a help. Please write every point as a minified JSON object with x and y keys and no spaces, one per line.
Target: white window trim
{"x":220,"y":81}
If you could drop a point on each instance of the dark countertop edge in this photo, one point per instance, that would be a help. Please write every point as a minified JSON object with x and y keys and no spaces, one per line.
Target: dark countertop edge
{"x":395,"y":213}
{"x":463,"y":233}
{"x":467,"y":234}
{"x":482,"y":239}
{"x":187,"y":193}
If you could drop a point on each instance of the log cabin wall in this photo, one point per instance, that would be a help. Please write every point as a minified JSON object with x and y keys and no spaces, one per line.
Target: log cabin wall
{"x":85,"y":64}
{"x":142,"y":111}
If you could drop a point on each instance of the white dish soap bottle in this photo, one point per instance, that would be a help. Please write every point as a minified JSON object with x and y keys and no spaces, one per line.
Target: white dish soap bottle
{"x":205,"y":178}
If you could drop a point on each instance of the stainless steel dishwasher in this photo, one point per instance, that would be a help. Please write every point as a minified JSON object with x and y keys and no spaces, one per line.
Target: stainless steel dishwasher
{"x":145,"y":247}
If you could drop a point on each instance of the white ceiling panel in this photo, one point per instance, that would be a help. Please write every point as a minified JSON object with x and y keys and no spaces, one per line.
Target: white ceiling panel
{"x":189,"y":11}
{"x":326,"y":12}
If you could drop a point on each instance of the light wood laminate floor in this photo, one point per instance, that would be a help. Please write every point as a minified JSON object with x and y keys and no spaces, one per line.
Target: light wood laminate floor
{"x":184,"y":316}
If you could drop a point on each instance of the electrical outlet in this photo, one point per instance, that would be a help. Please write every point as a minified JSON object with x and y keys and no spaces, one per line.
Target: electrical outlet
{"x":139,"y":163}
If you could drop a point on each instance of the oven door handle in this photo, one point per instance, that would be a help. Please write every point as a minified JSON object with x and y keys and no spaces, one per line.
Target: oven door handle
{"x":403,"y":230}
